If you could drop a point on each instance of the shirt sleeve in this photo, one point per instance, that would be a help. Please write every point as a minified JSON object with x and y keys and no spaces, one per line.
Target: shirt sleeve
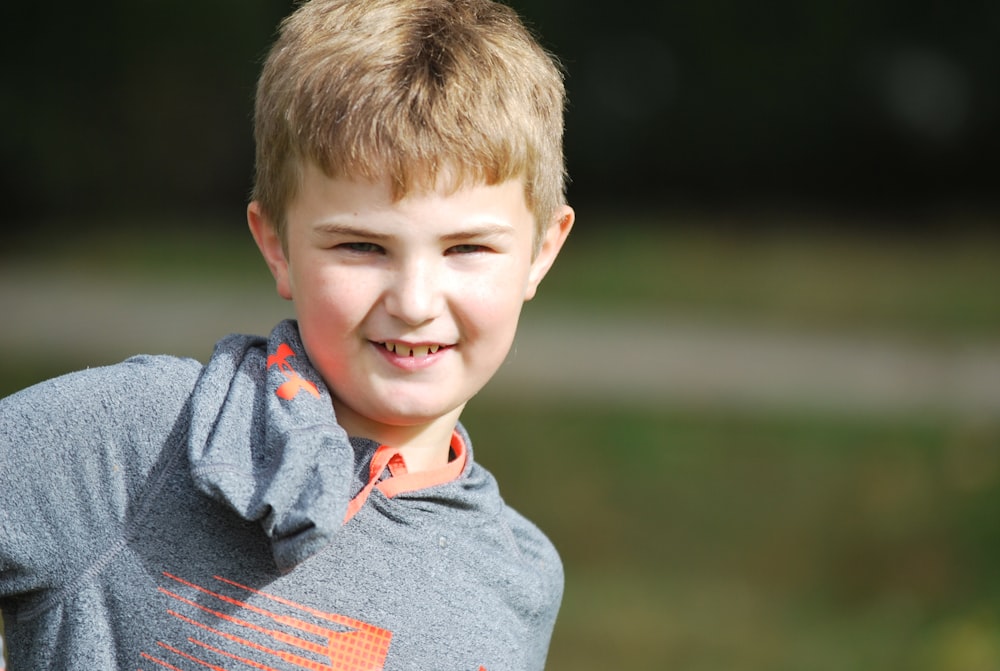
{"x":75,"y":453}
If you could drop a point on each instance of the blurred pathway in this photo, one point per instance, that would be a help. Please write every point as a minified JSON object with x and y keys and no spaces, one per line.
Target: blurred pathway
{"x":645,"y":360}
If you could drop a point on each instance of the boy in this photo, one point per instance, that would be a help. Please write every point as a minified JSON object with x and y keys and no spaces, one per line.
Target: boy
{"x":310,"y":501}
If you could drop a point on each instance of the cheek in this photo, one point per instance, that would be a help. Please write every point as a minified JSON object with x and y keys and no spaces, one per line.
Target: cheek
{"x":492,"y":307}
{"x":329,"y":293}
{"x":502,"y":283}
{"x":328,"y":314}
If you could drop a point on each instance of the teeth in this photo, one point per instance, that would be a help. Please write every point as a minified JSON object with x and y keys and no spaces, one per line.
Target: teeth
{"x":404,"y":350}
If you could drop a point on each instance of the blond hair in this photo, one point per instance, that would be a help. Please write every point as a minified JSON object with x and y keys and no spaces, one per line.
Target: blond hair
{"x":413,"y":90}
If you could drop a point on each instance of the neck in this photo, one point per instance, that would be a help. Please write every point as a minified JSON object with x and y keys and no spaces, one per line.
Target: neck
{"x":424,"y":446}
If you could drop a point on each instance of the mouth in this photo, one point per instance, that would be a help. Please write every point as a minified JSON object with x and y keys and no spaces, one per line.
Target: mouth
{"x":411,"y":351}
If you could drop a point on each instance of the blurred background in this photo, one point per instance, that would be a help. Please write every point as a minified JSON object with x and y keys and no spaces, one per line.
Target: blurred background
{"x":757,"y":401}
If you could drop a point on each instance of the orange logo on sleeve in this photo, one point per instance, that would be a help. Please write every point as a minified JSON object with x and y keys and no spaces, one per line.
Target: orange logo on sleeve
{"x":295,"y":383}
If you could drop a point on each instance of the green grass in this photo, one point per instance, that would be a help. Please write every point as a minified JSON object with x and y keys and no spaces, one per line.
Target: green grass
{"x":211,"y":251}
{"x":821,"y":279}
{"x":722,"y":540}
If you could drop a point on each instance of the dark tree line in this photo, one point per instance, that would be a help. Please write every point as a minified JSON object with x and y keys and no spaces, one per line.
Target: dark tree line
{"x":135,"y":105}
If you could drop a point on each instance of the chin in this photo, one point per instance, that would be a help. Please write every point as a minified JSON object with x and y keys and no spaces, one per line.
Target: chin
{"x":412,"y":417}
{"x":417,"y":413}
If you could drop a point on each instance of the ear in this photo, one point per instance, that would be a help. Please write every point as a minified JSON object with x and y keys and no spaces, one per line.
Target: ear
{"x":554,"y":237}
{"x":271,"y":248}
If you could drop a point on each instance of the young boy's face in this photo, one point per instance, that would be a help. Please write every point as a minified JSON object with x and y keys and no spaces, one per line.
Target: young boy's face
{"x":407,"y":307}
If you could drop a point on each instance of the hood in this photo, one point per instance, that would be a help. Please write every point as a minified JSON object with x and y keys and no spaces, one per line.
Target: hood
{"x":264,"y":440}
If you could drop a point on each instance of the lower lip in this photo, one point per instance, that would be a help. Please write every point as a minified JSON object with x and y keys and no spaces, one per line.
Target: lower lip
{"x":411,"y":363}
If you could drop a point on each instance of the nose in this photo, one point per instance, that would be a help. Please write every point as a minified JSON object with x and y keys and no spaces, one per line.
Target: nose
{"x":416,"y":292}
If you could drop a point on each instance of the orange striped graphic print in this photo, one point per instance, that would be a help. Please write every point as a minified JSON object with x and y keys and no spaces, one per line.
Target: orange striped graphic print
{"x":305,"y":639}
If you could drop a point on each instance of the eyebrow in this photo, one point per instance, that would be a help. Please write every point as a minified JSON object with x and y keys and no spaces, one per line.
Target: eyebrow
{"x":484,"y":230}
{"x":345,"y":230}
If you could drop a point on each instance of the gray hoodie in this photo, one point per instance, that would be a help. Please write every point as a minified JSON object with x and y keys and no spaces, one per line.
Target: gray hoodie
{"x":158,"y":514}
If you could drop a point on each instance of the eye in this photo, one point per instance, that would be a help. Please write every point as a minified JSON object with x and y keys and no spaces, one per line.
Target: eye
{"x":467,"y":249}
{"x":361,"y":247}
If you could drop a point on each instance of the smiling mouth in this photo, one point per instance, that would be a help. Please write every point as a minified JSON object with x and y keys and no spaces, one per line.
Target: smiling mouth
{"x":415,"y":351}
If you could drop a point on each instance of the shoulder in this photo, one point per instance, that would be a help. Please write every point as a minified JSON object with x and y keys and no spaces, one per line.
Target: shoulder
{"x":149,"y":383}
{"x":75,"y":452}
{"x":533,"y":545}
{"x":542,"y":578}
{"x":533,"y":549}
{"x":535,"y":554}
{"x":97,"y":410}
{"x":133,"y":374}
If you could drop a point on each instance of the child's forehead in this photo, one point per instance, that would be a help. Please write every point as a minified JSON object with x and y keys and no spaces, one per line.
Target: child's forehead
{"x":441,"y":179}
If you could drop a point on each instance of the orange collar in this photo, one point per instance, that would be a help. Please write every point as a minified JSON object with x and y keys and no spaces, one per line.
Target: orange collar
{"x":400,"y":480}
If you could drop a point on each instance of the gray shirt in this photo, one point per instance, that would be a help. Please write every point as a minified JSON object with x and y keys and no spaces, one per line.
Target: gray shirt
{"x":158,"y":512}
